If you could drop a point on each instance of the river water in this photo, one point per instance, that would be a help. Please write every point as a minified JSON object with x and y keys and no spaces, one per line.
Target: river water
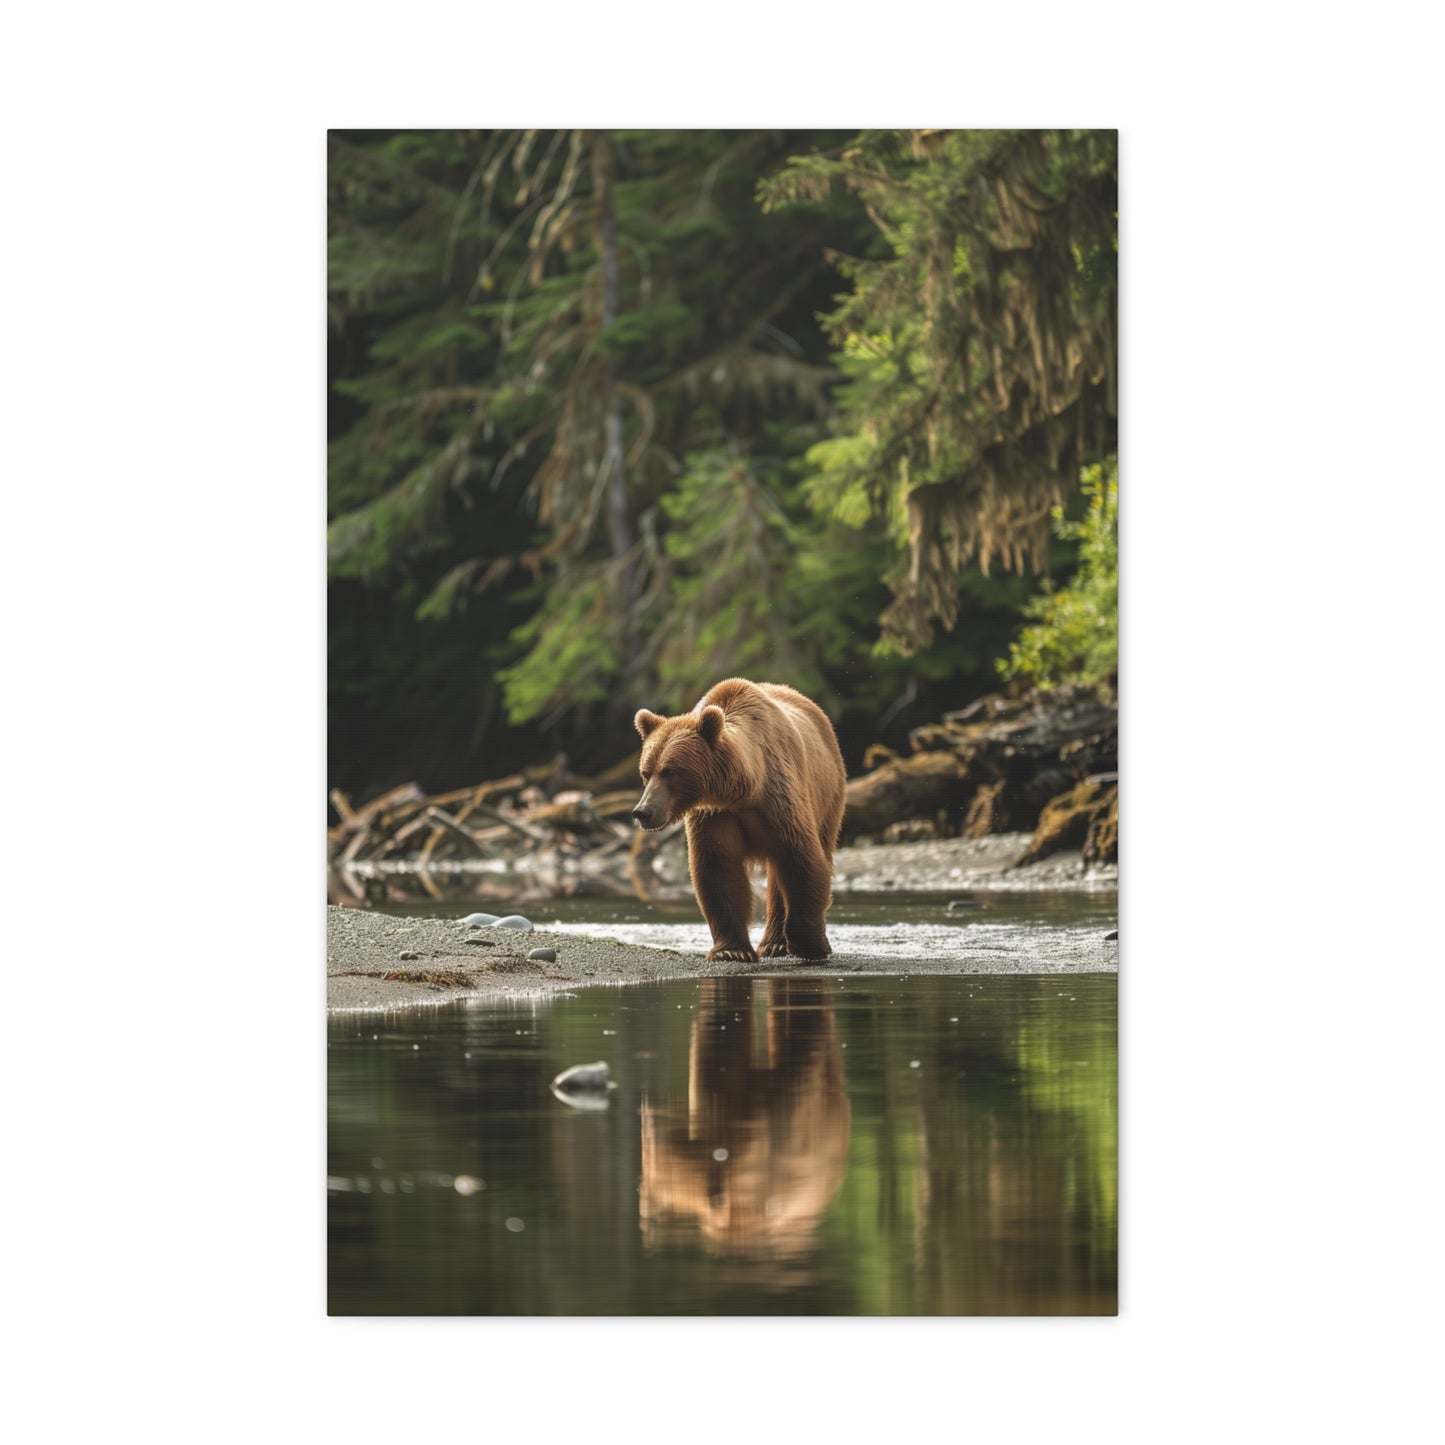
{"x":828,"y":1145}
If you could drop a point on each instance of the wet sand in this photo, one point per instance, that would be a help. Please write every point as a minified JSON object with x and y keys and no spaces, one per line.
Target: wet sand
{"x":432,"y":961}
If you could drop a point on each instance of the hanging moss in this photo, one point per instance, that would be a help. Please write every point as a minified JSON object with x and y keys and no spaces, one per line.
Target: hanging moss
{"x":978,"y":352}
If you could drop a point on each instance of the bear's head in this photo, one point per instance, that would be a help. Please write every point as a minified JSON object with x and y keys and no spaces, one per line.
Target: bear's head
{"x":682,"y":765}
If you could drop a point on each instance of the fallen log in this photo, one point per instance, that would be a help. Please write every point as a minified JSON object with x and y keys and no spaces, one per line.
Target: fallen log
{"x":527,"y":830}
{"x":991,"y":767}
{"x":450,"y":824}
{"x":916,"y":787}
{"x":1101,"y":843}
{"x":1068,"y":820}
{"x":361,"y":819}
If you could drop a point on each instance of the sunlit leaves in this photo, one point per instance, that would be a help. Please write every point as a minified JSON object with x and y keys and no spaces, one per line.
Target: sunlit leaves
{"x":1074,"y":631}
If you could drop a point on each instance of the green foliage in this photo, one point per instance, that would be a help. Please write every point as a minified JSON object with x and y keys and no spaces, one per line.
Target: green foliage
{"x":731,"y":548}
{"x":1074,"y":636}
{"x":976,"y":347}
{"x":783,"y":484}
{"x":569,"y":659}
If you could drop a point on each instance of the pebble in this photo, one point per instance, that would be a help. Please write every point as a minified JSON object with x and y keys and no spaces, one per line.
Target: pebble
{"x":582,"y":1076}
{"x":480,"y":920}
{"x":1112,"y":937}
{"x":406,"y":954}
{"x":547,"y":955}
{"x":514,"y":920}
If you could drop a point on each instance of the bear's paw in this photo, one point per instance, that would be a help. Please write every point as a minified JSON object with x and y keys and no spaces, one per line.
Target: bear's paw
{"x":732,"y":955}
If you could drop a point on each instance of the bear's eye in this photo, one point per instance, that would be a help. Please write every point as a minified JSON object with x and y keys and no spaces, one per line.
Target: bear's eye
{"x":664,"y":772}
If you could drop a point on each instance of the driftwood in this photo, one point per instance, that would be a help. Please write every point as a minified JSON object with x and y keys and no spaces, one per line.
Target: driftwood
{"x":451,"y":825}
{"x":1045,"y":764}
{"x":538,"y":810}
{"x":989,"y":768}
{"x":1086,"y":817}
{"x":914,"y":787}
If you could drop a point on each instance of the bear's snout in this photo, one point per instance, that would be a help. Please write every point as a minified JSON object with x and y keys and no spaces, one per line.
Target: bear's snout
{"x":653,"y":807}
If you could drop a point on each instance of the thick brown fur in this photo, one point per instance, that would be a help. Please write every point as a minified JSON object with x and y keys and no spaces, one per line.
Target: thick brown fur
{"x":755,"y":774}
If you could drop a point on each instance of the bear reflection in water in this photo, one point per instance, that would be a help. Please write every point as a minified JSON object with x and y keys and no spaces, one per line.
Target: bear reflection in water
{"x":753,"y":1162}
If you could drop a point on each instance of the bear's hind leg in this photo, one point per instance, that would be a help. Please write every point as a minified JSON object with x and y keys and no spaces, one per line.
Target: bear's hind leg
{"x":775,"y":935}
{"x":807,"y":884}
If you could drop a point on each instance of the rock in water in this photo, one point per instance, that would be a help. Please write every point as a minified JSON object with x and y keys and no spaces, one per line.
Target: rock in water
{"x":582,"y":1076}
{"x":480,"y":920}
{"x":1112,"y":937}
{"x":514,"y":920}
{"x":583,"y":1086}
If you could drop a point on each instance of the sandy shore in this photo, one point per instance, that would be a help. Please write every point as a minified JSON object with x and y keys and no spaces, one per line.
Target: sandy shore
{"x":378,"y":961}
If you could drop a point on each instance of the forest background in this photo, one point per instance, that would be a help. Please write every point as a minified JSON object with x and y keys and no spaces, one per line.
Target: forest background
{"x":613,"y":415}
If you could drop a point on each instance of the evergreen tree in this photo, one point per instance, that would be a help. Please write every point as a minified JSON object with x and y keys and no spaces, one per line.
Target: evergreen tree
{"x":534,"y":329}
{"x":978,"y":354}
{"x":588,"y":448}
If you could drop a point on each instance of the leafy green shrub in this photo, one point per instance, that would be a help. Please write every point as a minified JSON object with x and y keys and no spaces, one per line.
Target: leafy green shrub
{"x":1074,"y":636}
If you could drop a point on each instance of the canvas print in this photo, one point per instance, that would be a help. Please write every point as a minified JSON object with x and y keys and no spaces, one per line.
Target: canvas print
{"x":723,"y":817}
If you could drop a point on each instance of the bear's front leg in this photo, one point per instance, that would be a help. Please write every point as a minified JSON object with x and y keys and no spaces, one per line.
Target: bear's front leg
{"x":716,"y":859}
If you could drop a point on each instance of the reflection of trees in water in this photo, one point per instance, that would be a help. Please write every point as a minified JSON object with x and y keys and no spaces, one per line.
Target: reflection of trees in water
{"x":996,"y":1174}
{"x":753,"y":1161}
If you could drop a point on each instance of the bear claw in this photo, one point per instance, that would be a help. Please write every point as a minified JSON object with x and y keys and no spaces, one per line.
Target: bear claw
{"x":734,"y":955}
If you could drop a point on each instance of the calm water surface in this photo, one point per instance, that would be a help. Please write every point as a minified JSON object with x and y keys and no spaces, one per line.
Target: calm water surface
{"x":929,"y":1145}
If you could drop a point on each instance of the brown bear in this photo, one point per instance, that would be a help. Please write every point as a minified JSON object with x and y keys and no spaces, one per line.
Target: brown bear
{"x":755,"y":773}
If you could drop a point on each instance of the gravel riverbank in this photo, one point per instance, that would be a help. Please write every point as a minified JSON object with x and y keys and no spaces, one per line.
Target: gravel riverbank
{"x":379,"y":961}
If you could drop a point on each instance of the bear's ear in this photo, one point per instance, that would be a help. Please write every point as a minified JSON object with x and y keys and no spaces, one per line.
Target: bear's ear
{"x":647,"y":722}
{"x":710,"y":725}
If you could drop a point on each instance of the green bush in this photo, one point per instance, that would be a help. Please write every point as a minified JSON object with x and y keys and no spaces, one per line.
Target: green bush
{"x":1074,"y":631}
